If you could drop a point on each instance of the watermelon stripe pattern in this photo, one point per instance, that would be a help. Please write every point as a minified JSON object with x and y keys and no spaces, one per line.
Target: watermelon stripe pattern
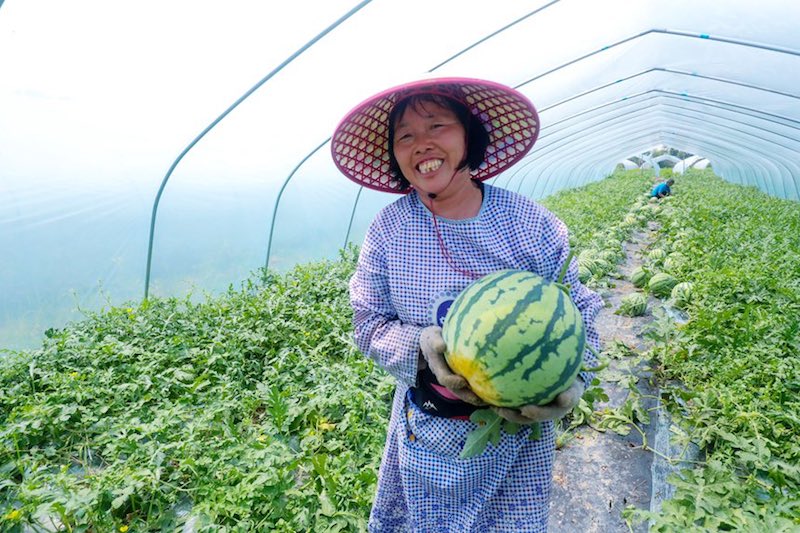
{"x":517,"y":338}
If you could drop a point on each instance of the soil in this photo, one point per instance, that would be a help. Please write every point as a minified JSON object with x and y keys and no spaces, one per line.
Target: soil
{"x":597,"y":474}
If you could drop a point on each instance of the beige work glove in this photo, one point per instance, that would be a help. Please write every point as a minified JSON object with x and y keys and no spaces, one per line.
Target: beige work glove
{"x":558,"y":408}
{"x":432,"y":348}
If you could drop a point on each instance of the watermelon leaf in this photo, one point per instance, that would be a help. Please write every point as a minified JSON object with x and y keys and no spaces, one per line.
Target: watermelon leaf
{"x":536,"y":431}
{"x":488,"y":430}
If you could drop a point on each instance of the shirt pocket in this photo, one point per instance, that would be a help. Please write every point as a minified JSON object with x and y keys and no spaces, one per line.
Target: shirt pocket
{"x":429,"y":458}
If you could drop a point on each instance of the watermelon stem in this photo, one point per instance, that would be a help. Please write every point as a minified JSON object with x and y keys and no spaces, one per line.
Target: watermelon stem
{"x":564,"y":268}
{"x":563,"y":287}
{"x":603,"y":362}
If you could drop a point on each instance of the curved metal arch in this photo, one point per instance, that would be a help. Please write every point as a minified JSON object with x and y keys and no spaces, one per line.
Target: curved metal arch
{"x":618,"y":43}
{"x":677,"y":33}
{"x":637,"y":143}
{"x":546,"y":132}
{"x":600,"y":116}
{"x":733,"y":108}
{"x":742,"y":182}
{"x":789,"y":160}
{"x":683,"y":96}
{"x":544,"y":162}
{"x":493,"y":34}
{"x":446,"y":61}
{"x":713,"y":148}
{"x":548,"y":160}
{"x":586,"y":153}
{"x":786,"y":161}
{"x":280,"y":193}
{"x":589,"y":171}
{"x":352,"y":216}
{"x":756,"y":113}
{"x":670,"y":71}
{"x":751,"y":111}
{"x":216,"y":121}
{"x":358,"y":196}
{"x":739,"y":42}
{"x":553,"y":151}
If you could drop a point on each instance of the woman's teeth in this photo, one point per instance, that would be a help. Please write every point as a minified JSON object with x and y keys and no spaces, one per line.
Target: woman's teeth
{"x":430,"y":165}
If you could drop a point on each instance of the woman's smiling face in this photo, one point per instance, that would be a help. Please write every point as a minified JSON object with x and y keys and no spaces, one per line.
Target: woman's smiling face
{"x":430,"y":146}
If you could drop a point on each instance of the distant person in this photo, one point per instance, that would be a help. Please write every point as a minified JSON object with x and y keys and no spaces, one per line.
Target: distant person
{"x":662,"y":189}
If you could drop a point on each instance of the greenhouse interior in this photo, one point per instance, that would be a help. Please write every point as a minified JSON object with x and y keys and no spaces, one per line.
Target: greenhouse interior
{"x":177,"y":344}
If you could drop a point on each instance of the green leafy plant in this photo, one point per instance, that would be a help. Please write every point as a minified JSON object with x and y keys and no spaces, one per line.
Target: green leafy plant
{"x":250,"y":411}
{"x":736,"y":357}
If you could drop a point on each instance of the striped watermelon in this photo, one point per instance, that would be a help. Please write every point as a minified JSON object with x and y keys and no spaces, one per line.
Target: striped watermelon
{"x":634,"y":304}
{"x":631,"y":220}
{"x":682,"y":294}
{"x":657,"y":254}
{"x":589,"y":260}
{"x":674,"y":261}
{"x":517,"y":338}
{"x":661,"y":284}
{"x":584,"y":274}
{"x":640,"y":277}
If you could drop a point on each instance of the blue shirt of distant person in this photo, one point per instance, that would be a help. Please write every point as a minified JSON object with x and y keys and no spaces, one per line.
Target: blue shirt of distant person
{"x":662,"y":189}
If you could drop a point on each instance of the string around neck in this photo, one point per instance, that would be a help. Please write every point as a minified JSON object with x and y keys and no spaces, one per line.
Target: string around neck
{"x":445,"y":252}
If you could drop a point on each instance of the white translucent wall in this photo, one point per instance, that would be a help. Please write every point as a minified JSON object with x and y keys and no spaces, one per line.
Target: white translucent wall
{"x":694,"y":161}
{"x":98,"y":99}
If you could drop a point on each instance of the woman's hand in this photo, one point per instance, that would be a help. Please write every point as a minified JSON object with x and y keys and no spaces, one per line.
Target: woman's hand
{"x":558,"y":408}
{"x":432,"y":346}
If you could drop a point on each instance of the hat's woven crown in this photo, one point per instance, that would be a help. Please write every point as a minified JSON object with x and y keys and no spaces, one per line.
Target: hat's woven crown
{"x":360,"y":144}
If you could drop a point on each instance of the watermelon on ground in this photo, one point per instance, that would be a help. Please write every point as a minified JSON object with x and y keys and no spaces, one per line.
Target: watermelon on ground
{"x":640,"y":277}
{"x":681,"y":294}
{"x":661,"y":284}
{"x":634,"y":304}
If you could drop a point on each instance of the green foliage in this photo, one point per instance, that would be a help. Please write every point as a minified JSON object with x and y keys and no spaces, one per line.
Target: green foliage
{"x":252,"y":411}
{"x":738,"y":357}
{"x":600,"y":219}
{"x":589,"y":210}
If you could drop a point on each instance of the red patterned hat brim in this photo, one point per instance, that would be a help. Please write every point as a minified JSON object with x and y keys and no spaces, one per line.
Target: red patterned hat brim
{"x":360,"y":143}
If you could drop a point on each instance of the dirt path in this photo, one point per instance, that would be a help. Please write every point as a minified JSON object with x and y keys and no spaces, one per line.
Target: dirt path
{"x":597,"y":475}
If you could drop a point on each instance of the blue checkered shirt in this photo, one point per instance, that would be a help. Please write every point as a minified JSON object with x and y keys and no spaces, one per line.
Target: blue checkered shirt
{"x":404,"y":283}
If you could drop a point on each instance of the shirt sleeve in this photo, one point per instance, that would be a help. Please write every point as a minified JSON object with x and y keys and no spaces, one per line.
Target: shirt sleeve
{"x":379,"y":333}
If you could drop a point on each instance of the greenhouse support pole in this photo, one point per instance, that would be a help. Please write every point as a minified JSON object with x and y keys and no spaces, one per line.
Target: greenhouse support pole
{"x":352,"y":216}
{"x":225,"y":113}
{"x":280,"y":194}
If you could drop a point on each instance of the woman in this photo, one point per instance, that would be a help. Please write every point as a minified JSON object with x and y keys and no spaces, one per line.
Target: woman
{"x":435,"y":142}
